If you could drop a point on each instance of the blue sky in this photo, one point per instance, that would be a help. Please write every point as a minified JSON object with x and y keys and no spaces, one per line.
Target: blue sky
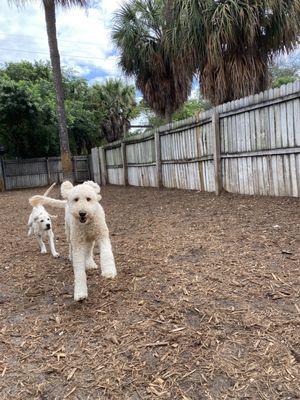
{"x":83,"y":35}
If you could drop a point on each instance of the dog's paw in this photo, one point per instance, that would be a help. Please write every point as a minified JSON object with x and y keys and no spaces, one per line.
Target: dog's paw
{"x":55,"y":255}
{"x":80,"y":295}
{"x":44,"y":251}
{"x":111,"y":274}
{"x":91,"y":265}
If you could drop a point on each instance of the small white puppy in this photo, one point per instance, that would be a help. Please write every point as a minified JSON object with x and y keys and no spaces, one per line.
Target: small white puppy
{"x":40,"y":225}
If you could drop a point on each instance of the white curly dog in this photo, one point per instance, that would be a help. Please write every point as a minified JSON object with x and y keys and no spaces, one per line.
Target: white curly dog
{"x":40,"y":225}
{"x":85,"y":226}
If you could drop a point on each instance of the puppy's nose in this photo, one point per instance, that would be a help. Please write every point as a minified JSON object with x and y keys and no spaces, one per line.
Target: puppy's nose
{"x":48,"y":225}
{"x":82,"y":214}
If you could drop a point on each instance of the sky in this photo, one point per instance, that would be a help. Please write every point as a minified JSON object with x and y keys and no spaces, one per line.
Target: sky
{"x":84,"y":38}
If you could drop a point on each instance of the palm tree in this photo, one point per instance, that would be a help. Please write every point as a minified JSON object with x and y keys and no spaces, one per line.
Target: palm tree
{"x":50,"y":18}
{"x":116,"y":103}
{"x":232,"y":42}
{"x":139,"y":33}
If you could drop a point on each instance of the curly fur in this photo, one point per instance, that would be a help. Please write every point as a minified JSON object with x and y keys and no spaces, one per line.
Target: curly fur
{"x":85,"y":226}
{"x":40,"y":225}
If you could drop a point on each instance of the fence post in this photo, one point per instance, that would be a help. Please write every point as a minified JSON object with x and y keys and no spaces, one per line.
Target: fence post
{"x":96,"y":165}
{"x":60,"y":173}
{"x":2,"y":175}
{"x":104,"y":175}
{"x":75,"y":174}
{"x":48,"y":171}
{"x":88,"y":166}
{"x":158,"y":159}
{"x":217,"y":151}
{"x":124,"y":162}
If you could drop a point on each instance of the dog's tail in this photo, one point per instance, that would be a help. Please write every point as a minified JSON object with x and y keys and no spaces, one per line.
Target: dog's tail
{"x":48,"y":201}
{"x":34,"y":202}
{"x":49,"y":189}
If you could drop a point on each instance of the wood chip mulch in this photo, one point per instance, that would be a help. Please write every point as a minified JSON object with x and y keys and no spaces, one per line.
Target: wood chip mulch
{"x":206,"y":304}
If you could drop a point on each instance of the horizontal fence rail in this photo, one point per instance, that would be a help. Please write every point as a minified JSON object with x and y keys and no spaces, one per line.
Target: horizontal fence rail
{"x":36,"y":172}
{"x":248,"y":146}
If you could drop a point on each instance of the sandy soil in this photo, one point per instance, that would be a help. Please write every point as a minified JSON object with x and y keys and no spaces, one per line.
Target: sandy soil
{"x":206,"y":304}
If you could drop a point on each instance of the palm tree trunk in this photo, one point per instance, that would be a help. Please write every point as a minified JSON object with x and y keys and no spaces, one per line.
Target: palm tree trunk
{"x":168,"y":114}
{"x":66,"y":161}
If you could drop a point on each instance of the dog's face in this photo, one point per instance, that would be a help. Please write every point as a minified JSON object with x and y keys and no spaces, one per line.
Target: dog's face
{"x":82,"y":199}
{"x":43,"y":221}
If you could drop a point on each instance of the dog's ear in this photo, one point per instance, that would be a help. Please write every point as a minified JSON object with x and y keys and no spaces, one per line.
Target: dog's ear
{"x":36,"y":200}
{"x":65,"y":188}
{"x":94,"y":185}
{"x":96,"y":188}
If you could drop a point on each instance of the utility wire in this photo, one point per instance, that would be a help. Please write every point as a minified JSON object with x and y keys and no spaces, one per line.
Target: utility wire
{"x":59,"y":40}
{"x":45,"y":53}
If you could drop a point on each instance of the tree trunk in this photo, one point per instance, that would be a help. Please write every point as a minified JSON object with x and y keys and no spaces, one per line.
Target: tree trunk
{"x":66,"y":161}
{"x":168,"y":114}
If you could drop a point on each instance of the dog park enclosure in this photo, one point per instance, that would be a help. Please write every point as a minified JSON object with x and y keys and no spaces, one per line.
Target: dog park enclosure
{"x":35,"y":172}
{"x":248,"y":146}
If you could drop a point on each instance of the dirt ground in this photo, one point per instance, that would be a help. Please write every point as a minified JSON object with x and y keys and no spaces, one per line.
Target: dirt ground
{"x":206,"y":304}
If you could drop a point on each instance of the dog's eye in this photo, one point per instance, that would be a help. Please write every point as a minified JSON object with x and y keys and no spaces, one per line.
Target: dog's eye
{"x":88,"y":199}
{"x":76,"y":199}
{"x":42,"y":220}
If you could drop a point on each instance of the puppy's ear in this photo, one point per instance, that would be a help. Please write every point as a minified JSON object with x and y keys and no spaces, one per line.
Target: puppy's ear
{"x":94,"y":185}
{"x":36,"y":200}
{"x":65,"y":188}
{"x":96,"y":188}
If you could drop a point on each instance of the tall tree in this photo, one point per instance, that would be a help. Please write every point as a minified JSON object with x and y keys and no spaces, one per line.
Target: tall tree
{"x":231,"y":42}
{"x":28,"y":122}
{"x":50,"y":18}
{"x":139,"y":32}
{"x":116,"y":103}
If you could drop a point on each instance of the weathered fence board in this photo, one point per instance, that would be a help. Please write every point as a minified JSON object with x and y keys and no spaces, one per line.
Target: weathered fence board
{"x":25,"y":173}
{"x":36,"y":172}
{"x":114,"y":166}
{"x":2,"y":182}
{"x":253,"y":147}
{"x":95,"y":162}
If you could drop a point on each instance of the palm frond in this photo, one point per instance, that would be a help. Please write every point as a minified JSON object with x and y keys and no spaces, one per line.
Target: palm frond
{"x":139,"y":32}
{"x":231,"y":42}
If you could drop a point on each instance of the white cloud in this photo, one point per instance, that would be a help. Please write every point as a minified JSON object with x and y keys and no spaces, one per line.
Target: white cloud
{"x":83,"y":36}
{"x":142,"y":119}
{"x":194,"y":92}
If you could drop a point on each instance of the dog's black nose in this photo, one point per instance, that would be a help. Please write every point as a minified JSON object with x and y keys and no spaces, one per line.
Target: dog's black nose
{"x":82,"y":214}
{"x":48,"y":225}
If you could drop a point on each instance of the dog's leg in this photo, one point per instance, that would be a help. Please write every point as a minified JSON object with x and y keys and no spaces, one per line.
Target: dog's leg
{"x":80,"y":286}
{"x":70,"y":252}
{"x":107,"y":261}
{"x":90,"y":263}
{"x":51,"y":242}
{"x":67,"y":230}
{"x":42,"y":244}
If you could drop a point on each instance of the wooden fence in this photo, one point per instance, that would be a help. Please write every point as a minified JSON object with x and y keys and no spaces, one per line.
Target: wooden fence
{"x":35,"y":172}
{"x":248,"y":146}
